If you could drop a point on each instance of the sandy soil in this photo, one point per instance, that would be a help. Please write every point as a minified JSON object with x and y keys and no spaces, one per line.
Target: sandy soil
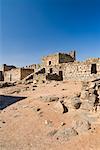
{"x":23,"y":124}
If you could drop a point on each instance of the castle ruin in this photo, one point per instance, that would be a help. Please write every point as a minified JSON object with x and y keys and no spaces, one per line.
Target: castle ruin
{"x":60,"y":66}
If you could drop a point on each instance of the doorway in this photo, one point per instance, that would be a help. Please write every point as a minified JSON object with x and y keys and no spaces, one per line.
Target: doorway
{"x":49,"y":62}
{"x":93,"y":69}
{"x":10,"y":77}
{"x":51,"y":70}
{"x":61,"y":75}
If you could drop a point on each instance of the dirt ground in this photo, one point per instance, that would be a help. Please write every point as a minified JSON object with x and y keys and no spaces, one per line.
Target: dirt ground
{"x":26,"y":124}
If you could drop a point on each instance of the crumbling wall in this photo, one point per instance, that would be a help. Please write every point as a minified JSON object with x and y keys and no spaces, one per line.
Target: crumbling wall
{"x":25,"y":72}
{"x":12,"y":75}
{"x":39,"y":78}
{"x":33,"y":66}
{"x":81,"y":70}
{"x":7,"y":67}
{"x":16,"y":74}
{"x":77,"y":70}
{"x":72,"y":54}
{"x":65,"y":58}
{"x":4,"y":68}
{"x":58,"y":58}
{"x":50,"y":60}
{"x":54,"y":76}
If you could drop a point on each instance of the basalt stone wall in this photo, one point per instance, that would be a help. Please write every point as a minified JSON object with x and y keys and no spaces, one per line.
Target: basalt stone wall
{"x":65,"y":58}
{"x":50,"y":60}
{"x":86,"y":70}
{"x":81,"y":70}
{"x":76,"y":70}
{"x":58,"y":58}
{"x":25,"y":72}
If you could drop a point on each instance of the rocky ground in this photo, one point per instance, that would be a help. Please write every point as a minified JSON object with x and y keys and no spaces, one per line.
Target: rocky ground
{"x":50,"y":116}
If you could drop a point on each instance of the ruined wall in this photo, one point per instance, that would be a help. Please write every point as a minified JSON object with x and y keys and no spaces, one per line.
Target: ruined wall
{"x":4,"y":68}
{"x":16,"y":74}
{"x":81,"y":70}
{"x":33,"y":66}
{"x":72,"y":54}
{"x":25,"y":72}
{"x":58,"y":58}
{"x":39,"y":78}
{"x":12,"y":75}
{"x":7,"y":67}
{"x":50,"y":60}
{"x":77,"y":70}
{"x":65,"y":58}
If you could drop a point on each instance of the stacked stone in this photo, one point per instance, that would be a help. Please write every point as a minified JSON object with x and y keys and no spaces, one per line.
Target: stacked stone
{"x":90,"y":96}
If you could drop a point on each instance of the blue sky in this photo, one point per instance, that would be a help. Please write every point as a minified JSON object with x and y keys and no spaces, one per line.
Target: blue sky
{"x":32,"y":28}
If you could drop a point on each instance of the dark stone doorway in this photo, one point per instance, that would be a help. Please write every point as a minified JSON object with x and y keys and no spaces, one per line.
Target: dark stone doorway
{"x":61,"y":75}
{"x":93,"y":69}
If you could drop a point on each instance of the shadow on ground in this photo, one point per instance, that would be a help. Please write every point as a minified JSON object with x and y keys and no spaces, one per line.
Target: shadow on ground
{"x":5,"y":101}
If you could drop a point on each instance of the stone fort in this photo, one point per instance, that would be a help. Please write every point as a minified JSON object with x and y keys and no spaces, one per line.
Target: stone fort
{"x":59,"y":66}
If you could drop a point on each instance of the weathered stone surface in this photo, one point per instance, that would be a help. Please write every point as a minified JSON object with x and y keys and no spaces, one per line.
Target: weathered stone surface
{"x":92,"y":85}
{"x":76,"y":103}
{"x":84,"y":94}
{"x":91,"y":91}
{"x":66,"y":133}
{"x":87,"y":106}
{"x":49,"y":98}
{"x":81,"y":125}
{"x":52,"y":133}
{"x":90,"y":97}
{"x":61,"y":107}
